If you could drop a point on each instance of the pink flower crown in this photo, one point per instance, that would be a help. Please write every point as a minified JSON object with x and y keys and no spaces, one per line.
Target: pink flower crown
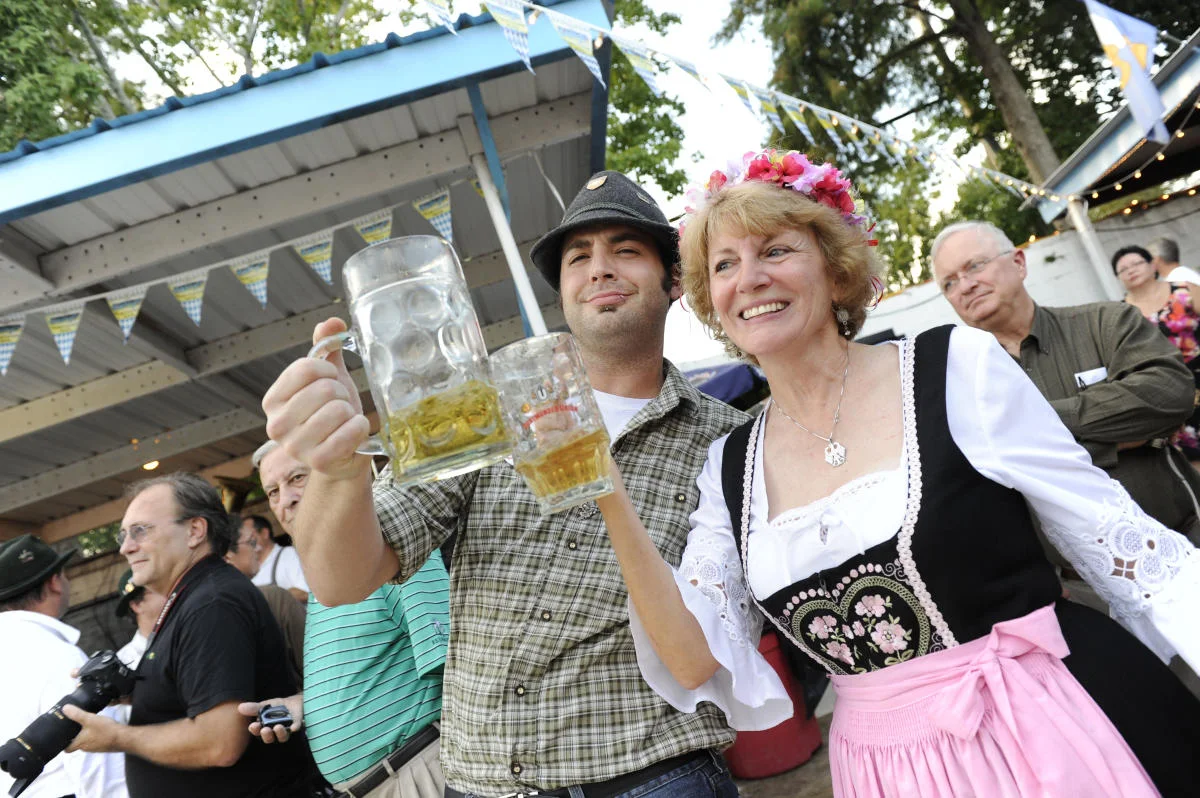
{"x":792,"y":169}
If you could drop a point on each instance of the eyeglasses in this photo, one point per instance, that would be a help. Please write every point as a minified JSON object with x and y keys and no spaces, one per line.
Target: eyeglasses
{"x":249,"y":541}
{"x":1134,"y":264}
{"x":139,"y":531}
{"x":972,"y":270}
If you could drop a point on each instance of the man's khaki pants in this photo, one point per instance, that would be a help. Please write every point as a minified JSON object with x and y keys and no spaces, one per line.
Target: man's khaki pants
{"x":419,"y":777}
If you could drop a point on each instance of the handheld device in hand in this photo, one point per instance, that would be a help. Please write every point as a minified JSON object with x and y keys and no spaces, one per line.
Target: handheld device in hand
{"x":271,"y":715}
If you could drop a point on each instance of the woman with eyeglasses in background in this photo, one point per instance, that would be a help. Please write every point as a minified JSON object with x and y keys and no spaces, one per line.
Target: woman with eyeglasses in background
{"x":1171,"y":307}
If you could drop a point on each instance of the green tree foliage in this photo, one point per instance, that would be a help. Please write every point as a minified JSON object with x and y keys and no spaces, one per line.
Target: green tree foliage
{"x":50,"y":81}
{"x":644,"y":138}
{"x":57,"y":58}
{"x":99,"y":540}
{"x":889,"y":59}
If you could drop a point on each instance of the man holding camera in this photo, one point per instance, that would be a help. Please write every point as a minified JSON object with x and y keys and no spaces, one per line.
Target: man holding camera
{"x":35,"y":671}
{"x":214,"y":645}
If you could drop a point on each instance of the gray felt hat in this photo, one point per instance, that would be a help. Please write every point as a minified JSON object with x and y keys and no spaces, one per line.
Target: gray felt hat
{"x":607,"y":198}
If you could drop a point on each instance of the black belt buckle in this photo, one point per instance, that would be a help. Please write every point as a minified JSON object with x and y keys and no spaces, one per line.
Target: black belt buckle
{"x":380,"y":772}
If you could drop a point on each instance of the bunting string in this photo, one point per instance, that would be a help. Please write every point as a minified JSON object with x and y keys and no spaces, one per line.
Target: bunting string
{"x":583,"y":38}
{"x":252,"y":270}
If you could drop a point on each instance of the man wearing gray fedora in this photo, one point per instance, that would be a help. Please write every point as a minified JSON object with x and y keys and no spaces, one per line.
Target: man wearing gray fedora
{"x":35,"y":671}
{"x":542,"y":690}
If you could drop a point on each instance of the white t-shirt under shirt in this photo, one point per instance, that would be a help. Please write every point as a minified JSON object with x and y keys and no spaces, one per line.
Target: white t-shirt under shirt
{"x":618,"y":411}
{"x":1182,"y":274}
{"x":287,"y":573}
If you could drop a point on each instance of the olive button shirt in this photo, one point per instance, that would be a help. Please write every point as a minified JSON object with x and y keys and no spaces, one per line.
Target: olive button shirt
{"x":1113,"y":378}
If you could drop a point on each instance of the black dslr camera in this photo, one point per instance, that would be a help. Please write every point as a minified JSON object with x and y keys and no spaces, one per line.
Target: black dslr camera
{"x":102,"y":679}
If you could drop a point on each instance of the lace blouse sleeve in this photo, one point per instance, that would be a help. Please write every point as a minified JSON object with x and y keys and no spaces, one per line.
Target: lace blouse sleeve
{"x":713,"y":587}
{"x":1149,"y":575}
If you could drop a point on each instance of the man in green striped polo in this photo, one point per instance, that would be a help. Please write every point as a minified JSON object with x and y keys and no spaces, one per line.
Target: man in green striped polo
{"x":372,"y":670}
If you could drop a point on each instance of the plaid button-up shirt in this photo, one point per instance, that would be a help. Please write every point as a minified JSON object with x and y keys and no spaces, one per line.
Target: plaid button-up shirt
{"x":542,"y":687}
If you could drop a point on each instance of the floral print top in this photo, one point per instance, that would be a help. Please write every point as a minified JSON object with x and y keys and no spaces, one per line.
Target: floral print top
{"x":1178,"y":321}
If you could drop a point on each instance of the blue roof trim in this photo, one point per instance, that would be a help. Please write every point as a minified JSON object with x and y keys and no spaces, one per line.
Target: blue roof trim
{"x":174,"y":103}
{"x":164,"y":140}
{"x":1176,"y":81}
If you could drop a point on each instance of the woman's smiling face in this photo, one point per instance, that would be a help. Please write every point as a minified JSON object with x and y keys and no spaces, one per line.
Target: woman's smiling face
{"x":769,"y":292}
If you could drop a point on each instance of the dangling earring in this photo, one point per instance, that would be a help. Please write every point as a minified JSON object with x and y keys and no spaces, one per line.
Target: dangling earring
{"x":843,"y":319}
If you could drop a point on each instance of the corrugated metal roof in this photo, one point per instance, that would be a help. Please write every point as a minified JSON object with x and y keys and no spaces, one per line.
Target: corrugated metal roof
{"x":245,"y":83}
{"x":240,"y":347}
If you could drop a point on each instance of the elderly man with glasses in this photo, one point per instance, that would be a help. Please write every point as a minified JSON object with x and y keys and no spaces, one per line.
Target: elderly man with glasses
{"x":213,"y":645}
{"x":1118,"y":385}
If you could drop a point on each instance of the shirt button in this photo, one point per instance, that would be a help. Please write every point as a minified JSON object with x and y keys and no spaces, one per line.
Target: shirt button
{"x":546,"y":615}
{"x":681,"y":497}
{"x":520,"y":689}
{"x":572,"y":545}
{"x":516,"y":769}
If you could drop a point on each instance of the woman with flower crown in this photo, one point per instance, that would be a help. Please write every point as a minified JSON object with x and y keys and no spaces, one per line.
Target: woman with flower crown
{"x":880,"y":514}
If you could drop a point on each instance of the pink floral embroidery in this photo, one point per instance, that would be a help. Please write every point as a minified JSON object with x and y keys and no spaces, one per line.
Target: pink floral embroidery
{"x":839,"y":651}
{"x":872,"y":605}
{"x":890,"y":637}
{"x":858,"y":628}
{"x":823,"y":626}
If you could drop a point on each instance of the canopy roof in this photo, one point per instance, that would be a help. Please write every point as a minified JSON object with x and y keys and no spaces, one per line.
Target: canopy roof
{"x":205,"y":179}
{"x":1118,"y":147}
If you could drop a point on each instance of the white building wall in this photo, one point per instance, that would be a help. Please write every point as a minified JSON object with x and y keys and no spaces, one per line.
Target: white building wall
{"x":1058,"y":271}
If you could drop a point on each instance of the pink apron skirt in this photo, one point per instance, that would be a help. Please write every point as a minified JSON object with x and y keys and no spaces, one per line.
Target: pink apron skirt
{"x":998,"y":717}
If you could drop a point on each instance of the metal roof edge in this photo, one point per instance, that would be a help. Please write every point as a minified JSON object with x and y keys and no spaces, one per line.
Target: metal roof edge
{"x":1118,"y":127}
{"x":180,"y":133}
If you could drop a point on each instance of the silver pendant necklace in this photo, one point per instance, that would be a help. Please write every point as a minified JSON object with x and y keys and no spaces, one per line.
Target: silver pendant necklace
{"x":835,"y":453}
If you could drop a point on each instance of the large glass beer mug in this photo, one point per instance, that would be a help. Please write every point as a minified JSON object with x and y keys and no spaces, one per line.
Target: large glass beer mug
{"x":561,"y":445}
{"x":414,"y":327}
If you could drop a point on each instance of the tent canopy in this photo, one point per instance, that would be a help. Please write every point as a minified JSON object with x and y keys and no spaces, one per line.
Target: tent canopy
{"x":1118,"y":148}
{"x":205,"y":179}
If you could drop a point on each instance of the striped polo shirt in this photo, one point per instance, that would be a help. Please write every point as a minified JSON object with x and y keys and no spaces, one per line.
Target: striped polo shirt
{"x":373,"y":671}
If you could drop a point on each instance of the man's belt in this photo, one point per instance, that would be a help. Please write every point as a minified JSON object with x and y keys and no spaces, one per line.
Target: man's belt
{"x":384,"y":769}
{"x":605,"y":789}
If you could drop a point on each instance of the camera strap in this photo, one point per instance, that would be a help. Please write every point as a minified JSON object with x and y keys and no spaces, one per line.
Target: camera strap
{"x":181,"y":584}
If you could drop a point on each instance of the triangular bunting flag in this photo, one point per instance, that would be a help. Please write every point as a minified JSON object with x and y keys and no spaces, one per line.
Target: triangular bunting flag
{"x":851,"y":129}
{"x":474,"y":181}
{"x":877,"y":140}
{"x":643,"y":64}
{"x":742,"y":91}
{"x":578,"y":37}
{"x":440,"y":11}
{"x":435,"y":209}
{"x":125,"y":306}
{"x":375,"y":227}
{"x":64,"y":323}
{"x":251,"y":272}
{"x":511,"y":17}
{"x":830,"y":130}
{"x":795,"y":112}
{"x":317,"y":252}
{"x":690,"y":68}
{"x":10,"y":333}
{"x":188,"y":290}
{"x":766,"y":104}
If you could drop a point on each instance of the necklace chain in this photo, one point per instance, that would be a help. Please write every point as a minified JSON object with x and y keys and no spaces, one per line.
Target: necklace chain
{"x":835,"y":453}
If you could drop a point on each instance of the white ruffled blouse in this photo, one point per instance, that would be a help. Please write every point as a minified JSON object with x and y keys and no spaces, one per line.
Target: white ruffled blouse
{"x":1011,"y":435}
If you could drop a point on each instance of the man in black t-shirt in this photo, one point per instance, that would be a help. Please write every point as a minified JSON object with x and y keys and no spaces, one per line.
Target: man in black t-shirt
{"x":214,"y":645}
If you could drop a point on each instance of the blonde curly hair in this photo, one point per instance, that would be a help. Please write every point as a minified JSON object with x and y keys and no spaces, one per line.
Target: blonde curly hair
{"x":762,"y":209}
